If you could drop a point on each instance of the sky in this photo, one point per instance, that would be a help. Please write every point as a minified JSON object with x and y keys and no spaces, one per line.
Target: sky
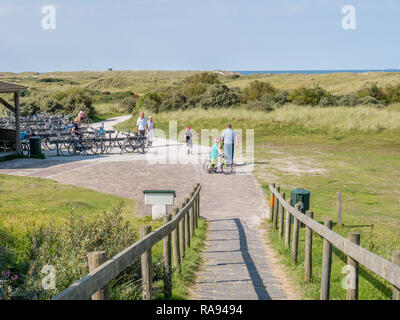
{"x":198,"y":35}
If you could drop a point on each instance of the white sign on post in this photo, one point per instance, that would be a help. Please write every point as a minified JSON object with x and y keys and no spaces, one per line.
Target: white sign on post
{"x":159,"y":200}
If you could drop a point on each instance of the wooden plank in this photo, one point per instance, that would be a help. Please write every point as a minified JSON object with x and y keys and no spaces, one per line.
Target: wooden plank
{"x":7,"y":105}
{"x":175,"y":244}
{"x":382,"y":267}
{"x":396,"y":260}
{"x":167,"y":261}
{"x":308,"y":251}
{"x":326,"y":265}
{"x":96,"y":259}
{"x":295,"y":237}
{"x":352,"y":290}
{"x":147,"y":266}
{"x":281,"y":218}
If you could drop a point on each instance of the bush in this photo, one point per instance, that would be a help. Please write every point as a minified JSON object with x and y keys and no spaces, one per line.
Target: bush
{"x":150,"y":101}
{"x":66,"y":248}
{"x":127,"y":104}
{"x":347,"y":100}
{"x":219,"y":96}
{"x":308,"y":96}
{"x":73,"y":100}
{"x":392,"y":93}
{"x":174,"y":101}
{"x":197,"y":84}
{"x":256,"y":90}
{"x":369,"y":101}
{"x":374,"y":91}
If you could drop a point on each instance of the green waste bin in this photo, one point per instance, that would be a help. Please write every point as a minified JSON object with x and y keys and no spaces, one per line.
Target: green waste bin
{"x":35,"y":146}
{"x":303,"y":196}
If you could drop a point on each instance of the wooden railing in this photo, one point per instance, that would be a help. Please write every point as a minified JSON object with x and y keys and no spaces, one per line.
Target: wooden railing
{"x":390,"y":271}
{"x":176,"y":231}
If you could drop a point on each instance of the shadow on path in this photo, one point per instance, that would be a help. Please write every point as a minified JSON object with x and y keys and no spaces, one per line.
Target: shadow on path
{"x":256,"y":279}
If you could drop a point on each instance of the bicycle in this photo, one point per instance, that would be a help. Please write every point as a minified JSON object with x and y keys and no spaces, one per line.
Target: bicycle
{"x":221,"y":164}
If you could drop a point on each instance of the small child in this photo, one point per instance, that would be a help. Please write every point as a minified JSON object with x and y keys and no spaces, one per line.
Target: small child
{"x":189,"y":142}
{"x":214,"y":154}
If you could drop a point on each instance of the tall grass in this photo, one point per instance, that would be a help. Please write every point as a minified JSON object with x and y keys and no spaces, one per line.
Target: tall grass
{"x":338,"y":119}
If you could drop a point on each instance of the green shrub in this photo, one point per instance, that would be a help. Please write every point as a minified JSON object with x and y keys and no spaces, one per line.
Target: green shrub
{"x":256,"y":90}
{"x":392,"y":93}
{"x":219,"y":96}
{"x":108,"y":97}
{"x":348,"y":100}
{"x":197,"y":84}
{"x":174,"y":101}
{"x":150,"y":101}
{"x":369,"y":101}
{"x":374,"y":91}
{"x":127,"y":104}
{"x":66,"y":248}
{"x":308,"y":96}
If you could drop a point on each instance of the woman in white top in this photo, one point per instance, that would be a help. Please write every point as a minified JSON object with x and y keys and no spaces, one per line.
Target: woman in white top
{"x":150,"y":131}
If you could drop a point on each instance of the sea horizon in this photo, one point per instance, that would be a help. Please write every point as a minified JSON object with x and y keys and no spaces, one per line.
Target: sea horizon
{"x":249,"y":72}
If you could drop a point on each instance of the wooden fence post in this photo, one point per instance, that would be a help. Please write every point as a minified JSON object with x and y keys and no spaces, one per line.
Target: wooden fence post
{"x":191,"y":215}
{"x":326,"y":265}
{"x":396,"y":260}
{"x":281,"y":217}
{"x":146,"y":259}
{"x":295,"y":240}
{"x":308,"y":252}
{"x":339,"y":209}
{"x":167,"y":260}
{"x":187,"y":226}
{"x":175,"y":243}
{"x":352,"y":290}
{"x":276,"y":210}
{"x":288,"y":226}
{"x":182,"y":234}
{"x":271,"y":205}
{"x":96,"y":259}
{"x":195,"y":208}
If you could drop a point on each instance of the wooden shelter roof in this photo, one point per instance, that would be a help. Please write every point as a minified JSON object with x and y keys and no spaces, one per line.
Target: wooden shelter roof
{"x":10,"y":87}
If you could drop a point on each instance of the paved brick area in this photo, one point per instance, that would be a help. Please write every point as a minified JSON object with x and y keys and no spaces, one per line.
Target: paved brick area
{"x":235,"y":262}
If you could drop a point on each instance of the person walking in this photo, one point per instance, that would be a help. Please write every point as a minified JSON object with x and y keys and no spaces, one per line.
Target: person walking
{"x":229,"y":137}
{"x":150,"y":131}
{"x":188,"y":139}
{"x":141,"y":125}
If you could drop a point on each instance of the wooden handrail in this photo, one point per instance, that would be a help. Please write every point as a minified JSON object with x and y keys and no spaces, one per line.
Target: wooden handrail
{"x":382,"y":267}
{"x":102,"y":275}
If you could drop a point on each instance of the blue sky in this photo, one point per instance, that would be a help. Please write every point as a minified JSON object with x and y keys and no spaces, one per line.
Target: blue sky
{"x":198,"y":35}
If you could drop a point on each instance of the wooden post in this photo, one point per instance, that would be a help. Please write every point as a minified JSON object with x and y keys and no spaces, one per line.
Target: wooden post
{"x":191,"y":215}
{"x":281,"y":217}
{"x":326,"y":265}
{"x":288,"y":226}
{"x":175,"y":243}
{"x":308,"y":252}
{"x":17,"y":122}
{"x":182,"y":234}
{"x":295,"y":240}
{"x":187,"y":226}
{"x":96,"y":259}
{"x":167,"y":260}
{"x":276,"y":210}
{"x":339,"y":209}
{"x":352,"y":290}
{"x":272,"y":205}
{"x":396,"y":260}
{"x":146,"y":259}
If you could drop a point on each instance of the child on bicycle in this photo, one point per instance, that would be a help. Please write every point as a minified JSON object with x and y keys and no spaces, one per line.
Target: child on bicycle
{"x":214,"y":154}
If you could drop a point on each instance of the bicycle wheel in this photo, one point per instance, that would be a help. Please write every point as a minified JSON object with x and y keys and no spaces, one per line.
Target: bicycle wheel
{"x":206,"y":163}
{"x":226,"y":168}
{"x":74,"y":148}
{"x":25,"y":149}
{"x":50,"y":143}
